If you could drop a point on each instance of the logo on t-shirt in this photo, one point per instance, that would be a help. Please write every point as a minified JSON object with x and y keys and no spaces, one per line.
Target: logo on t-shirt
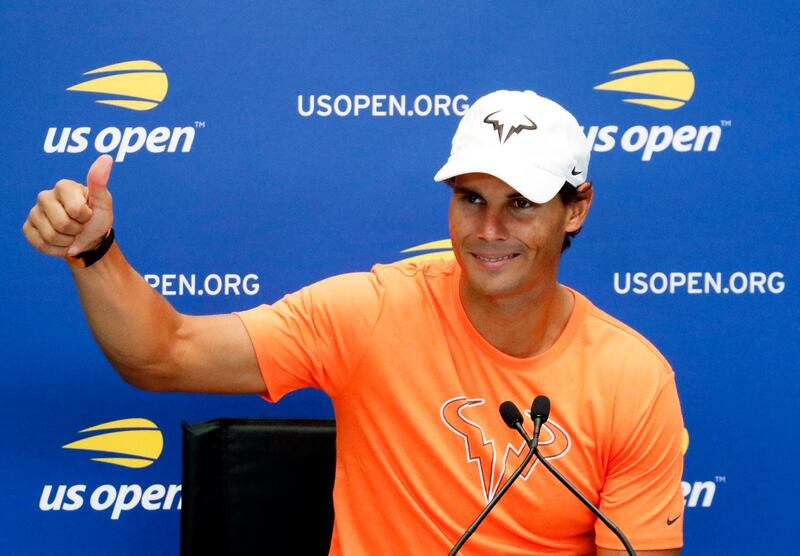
{"x":495,"y":449}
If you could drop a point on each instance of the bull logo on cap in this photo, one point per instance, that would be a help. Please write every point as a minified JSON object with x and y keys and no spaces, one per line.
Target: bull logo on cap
{"x":502,"y":120}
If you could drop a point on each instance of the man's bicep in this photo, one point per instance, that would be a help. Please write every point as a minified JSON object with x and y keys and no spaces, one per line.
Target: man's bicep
{"x":214,"y":354}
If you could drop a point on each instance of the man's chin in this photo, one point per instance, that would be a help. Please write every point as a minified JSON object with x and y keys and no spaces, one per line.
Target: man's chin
{"x":492,"y":286}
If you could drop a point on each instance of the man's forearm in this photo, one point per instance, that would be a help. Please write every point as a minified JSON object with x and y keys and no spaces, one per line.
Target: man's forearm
{"x":134,"y":326}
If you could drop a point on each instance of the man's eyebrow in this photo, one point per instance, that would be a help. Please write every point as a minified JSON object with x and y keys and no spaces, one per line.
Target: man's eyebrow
{"x":514,"y":195}
{"x":461,"y":190}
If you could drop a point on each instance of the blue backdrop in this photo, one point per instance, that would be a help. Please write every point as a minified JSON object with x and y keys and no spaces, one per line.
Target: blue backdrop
{"x":271,"y":185}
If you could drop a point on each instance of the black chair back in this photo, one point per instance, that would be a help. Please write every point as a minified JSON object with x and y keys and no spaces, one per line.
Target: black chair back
{"x":250,"y":485}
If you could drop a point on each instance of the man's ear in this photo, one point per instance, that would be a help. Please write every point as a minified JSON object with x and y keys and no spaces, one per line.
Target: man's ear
{"x":578,"y":208}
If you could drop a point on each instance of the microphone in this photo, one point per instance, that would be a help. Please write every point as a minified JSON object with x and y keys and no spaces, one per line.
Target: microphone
{"x":513,"y":418}
{"x":540,"y":411}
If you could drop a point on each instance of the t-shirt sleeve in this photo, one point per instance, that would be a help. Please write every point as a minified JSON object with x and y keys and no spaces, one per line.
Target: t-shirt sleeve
{"x":642,"y":492}
{"x":314,"y":337}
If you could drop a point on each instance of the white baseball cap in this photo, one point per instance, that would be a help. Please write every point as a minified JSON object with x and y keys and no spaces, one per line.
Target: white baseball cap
{"x":528,"y":141}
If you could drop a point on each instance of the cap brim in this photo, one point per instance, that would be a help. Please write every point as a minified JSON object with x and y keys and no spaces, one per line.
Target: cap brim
{"x":530,"y":181}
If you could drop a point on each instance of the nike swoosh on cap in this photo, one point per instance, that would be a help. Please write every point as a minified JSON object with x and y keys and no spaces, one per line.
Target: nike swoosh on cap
{"x":574,"y":173}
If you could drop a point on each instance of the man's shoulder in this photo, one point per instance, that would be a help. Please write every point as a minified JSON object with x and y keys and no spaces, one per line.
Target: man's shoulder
{"x":354,"y":292}
{"x":417,"y":267}
{"x":622,"y":340}
{"x":431,"y":274}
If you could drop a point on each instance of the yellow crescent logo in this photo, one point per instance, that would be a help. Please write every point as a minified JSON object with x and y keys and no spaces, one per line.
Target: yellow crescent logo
{"x":142,"y":81}
{"x":685,"y":441}
{"x":669,"y":84}
{"x":439,"y":249}
{"x":136,"y":442}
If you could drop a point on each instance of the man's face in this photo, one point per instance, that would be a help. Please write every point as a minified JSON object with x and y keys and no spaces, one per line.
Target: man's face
{"x":507,"y":245}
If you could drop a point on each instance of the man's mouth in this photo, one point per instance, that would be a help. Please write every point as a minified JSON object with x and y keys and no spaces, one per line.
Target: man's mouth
{"x":494,"y":261}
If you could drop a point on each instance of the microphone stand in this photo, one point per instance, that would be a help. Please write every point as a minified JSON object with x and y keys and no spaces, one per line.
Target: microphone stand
{"x":539,"y":413}
{"x":532,"y":444}
{"x":614,"y":529}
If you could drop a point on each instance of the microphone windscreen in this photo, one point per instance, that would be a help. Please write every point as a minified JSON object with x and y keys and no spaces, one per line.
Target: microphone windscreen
{"x":510,"y":414}
{"x":541,"y":408}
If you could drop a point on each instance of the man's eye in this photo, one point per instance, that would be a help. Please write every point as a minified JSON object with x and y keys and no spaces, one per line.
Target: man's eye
{"x":472,"y":199}
{"x":522,"y":203}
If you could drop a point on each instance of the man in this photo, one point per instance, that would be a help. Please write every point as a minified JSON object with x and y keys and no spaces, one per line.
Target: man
{"x":428,"y":352}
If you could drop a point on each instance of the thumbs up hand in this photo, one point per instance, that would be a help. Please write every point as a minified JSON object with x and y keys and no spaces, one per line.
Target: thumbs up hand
{"x":71,"y":218}
{"x":98,"y":201}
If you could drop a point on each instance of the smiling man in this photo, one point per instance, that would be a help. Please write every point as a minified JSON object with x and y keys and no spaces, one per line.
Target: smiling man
{"x":431,"y":350}
{"x":508,"y":248}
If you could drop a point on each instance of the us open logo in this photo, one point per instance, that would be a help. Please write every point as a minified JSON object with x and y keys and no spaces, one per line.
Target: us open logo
{"x":139,"y":85}
{"x":144,"y":83}
{"x":665,"y":84}
{"x":134,"y":443}
{"x":698,"y":493}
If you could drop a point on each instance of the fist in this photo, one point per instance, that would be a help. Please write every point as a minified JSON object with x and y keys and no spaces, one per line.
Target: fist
{"x":72,"y":218}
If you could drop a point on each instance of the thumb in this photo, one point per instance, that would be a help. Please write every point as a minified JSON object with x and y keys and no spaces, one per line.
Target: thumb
{"x":97,"y":180}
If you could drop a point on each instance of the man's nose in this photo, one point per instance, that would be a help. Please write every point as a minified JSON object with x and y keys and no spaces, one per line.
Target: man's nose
{"x":492,"y":226}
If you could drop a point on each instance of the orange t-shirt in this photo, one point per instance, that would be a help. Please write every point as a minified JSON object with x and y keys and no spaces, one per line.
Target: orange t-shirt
{"x":421,"y":447}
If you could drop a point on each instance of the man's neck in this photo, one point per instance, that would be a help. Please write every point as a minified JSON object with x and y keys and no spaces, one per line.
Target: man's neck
{"x":519,"y":326}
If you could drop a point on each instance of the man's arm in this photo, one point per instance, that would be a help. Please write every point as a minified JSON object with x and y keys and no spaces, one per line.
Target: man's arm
{"x":154,"y":347}
{"x":151,"y":345}
{"x":642,"y":492}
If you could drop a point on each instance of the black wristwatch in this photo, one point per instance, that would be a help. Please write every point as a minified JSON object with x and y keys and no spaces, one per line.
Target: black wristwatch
{"x":88,"y":258}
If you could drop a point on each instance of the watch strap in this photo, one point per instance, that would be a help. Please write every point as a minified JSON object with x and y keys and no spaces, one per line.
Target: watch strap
{"x":88,"y":258}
